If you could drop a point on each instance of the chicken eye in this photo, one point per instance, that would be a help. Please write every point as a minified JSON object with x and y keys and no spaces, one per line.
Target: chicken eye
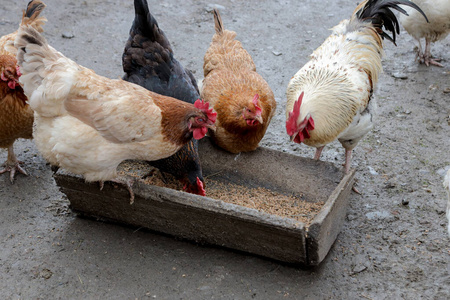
{"x":200,"y":120}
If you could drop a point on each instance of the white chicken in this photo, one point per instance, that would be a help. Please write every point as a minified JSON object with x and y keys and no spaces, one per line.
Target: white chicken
{"x":438,"y":27}
{"x":88,"y":124}
{"x":330,"y":97}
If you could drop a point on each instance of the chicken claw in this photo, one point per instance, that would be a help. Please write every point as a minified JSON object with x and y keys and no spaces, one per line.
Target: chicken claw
{"x":13,"y":169}
{"x":12,"y":165}
{"x":128,"y":183}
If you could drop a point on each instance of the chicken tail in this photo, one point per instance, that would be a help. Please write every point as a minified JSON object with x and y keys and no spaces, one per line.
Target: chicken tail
{"x":31,"y":16}
{"x":379,"y":13}
{"x":145,"y":24}
{"x":218,"y":25}
{"x":43,"y":69}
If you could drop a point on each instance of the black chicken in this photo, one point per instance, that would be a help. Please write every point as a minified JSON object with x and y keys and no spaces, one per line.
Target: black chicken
{"x":148,"y":61}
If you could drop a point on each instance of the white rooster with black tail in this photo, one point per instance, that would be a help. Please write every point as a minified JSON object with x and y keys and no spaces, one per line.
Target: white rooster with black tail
{"x":330,"y":97}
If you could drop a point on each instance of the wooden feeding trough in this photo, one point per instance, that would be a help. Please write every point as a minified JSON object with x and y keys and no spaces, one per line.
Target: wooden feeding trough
{"x":212,"y":221}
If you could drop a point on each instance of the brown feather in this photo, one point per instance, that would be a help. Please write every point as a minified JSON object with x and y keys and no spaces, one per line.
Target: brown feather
{"x":16,"y":118}
{"x":175,"y":117}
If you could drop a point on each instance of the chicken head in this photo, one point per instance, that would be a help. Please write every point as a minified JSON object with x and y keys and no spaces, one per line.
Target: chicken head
{"x":252,"y":113}
{"x":299,"y":132}
{"x":199,"y":124}
{"x":197,"y":189}
{"x":10,"y":72}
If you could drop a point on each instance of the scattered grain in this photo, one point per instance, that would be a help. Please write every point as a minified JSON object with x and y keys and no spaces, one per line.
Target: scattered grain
{"x":260,"y":198}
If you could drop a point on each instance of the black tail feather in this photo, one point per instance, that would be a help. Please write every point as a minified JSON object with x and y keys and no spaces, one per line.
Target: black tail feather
{"x":218,"y":22}
{"x":34,"y":7}
{"x":146,"y":25}
{"x":381,"y":15}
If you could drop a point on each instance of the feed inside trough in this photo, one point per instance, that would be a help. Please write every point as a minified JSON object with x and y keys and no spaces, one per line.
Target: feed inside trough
{"x":292,"y":205}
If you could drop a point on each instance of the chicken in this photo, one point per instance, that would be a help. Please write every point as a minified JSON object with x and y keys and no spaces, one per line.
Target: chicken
{"x":330,"y":97}
{"x":447,"y":187}
{"x":438,"y":27}
{"x":16,"y":117}
{"x":242,"y":99}
{"x":148,"y":61}
{"x":88,"y":124}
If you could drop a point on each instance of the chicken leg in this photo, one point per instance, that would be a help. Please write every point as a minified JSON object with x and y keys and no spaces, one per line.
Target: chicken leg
{"x":427,"y":55}
{"x":127,"y":183}
{"x":12,"y":165}
{"x":348,"y":160}
{"x":318,"y":153}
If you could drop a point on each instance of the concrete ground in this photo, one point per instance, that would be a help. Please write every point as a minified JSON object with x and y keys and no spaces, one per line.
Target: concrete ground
{"x":386,"y":250}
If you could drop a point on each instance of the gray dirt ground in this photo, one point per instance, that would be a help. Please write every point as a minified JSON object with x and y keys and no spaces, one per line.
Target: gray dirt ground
{"x":386,"y":250}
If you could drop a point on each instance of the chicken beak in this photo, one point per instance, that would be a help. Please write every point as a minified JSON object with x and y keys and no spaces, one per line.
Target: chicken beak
{"x":212,"y":127}
{"x":292,"y":137}
{"x":259,"y":119}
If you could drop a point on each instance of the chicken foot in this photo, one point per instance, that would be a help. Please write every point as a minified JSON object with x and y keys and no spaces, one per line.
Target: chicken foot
{"x":128,"y":183}
{"x":425,"y":57}
{"x":155,"y":172}
{"x":12,"y":165}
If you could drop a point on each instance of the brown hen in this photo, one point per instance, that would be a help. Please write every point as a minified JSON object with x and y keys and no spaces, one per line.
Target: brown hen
{"x":242,"y":99}
{"x":16,"y":117}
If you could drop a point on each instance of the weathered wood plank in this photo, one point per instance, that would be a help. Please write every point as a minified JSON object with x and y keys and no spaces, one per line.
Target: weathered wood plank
{"x":326,"y":225}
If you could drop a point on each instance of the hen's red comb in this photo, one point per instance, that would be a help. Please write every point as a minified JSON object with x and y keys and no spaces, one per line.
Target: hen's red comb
{"x":201,"y":190}
{"x":204,"y":107}
{"x":291,"y":123}
{"x":255,"y":102}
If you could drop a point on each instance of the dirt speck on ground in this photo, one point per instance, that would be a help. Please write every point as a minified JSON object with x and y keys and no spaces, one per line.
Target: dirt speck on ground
{"x":393,"y":245}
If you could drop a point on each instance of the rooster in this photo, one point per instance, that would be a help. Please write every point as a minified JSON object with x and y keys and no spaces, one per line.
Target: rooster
{"x":16,"y":117}
{"x":88,"y":124}
{"x":438,"y":27}
{"x":447,"y":187}
{"x":148,"y":61}
{"x":242,"y":99}
{"x":330,"y":97}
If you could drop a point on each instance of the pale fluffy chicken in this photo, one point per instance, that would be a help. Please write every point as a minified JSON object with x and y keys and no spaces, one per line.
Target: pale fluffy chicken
{"x":242,"y":99}
{"x":16,"y":117}
{"x":438,"y":27}
{"x":447,"y":187}
{"x":330,"y":97}
{"x":88,"y":124}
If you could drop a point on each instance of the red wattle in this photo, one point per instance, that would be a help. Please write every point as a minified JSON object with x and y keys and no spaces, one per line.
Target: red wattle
{"x":199,"y":133}
{"x":12,"y":84}
{"x":251,"y":122}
